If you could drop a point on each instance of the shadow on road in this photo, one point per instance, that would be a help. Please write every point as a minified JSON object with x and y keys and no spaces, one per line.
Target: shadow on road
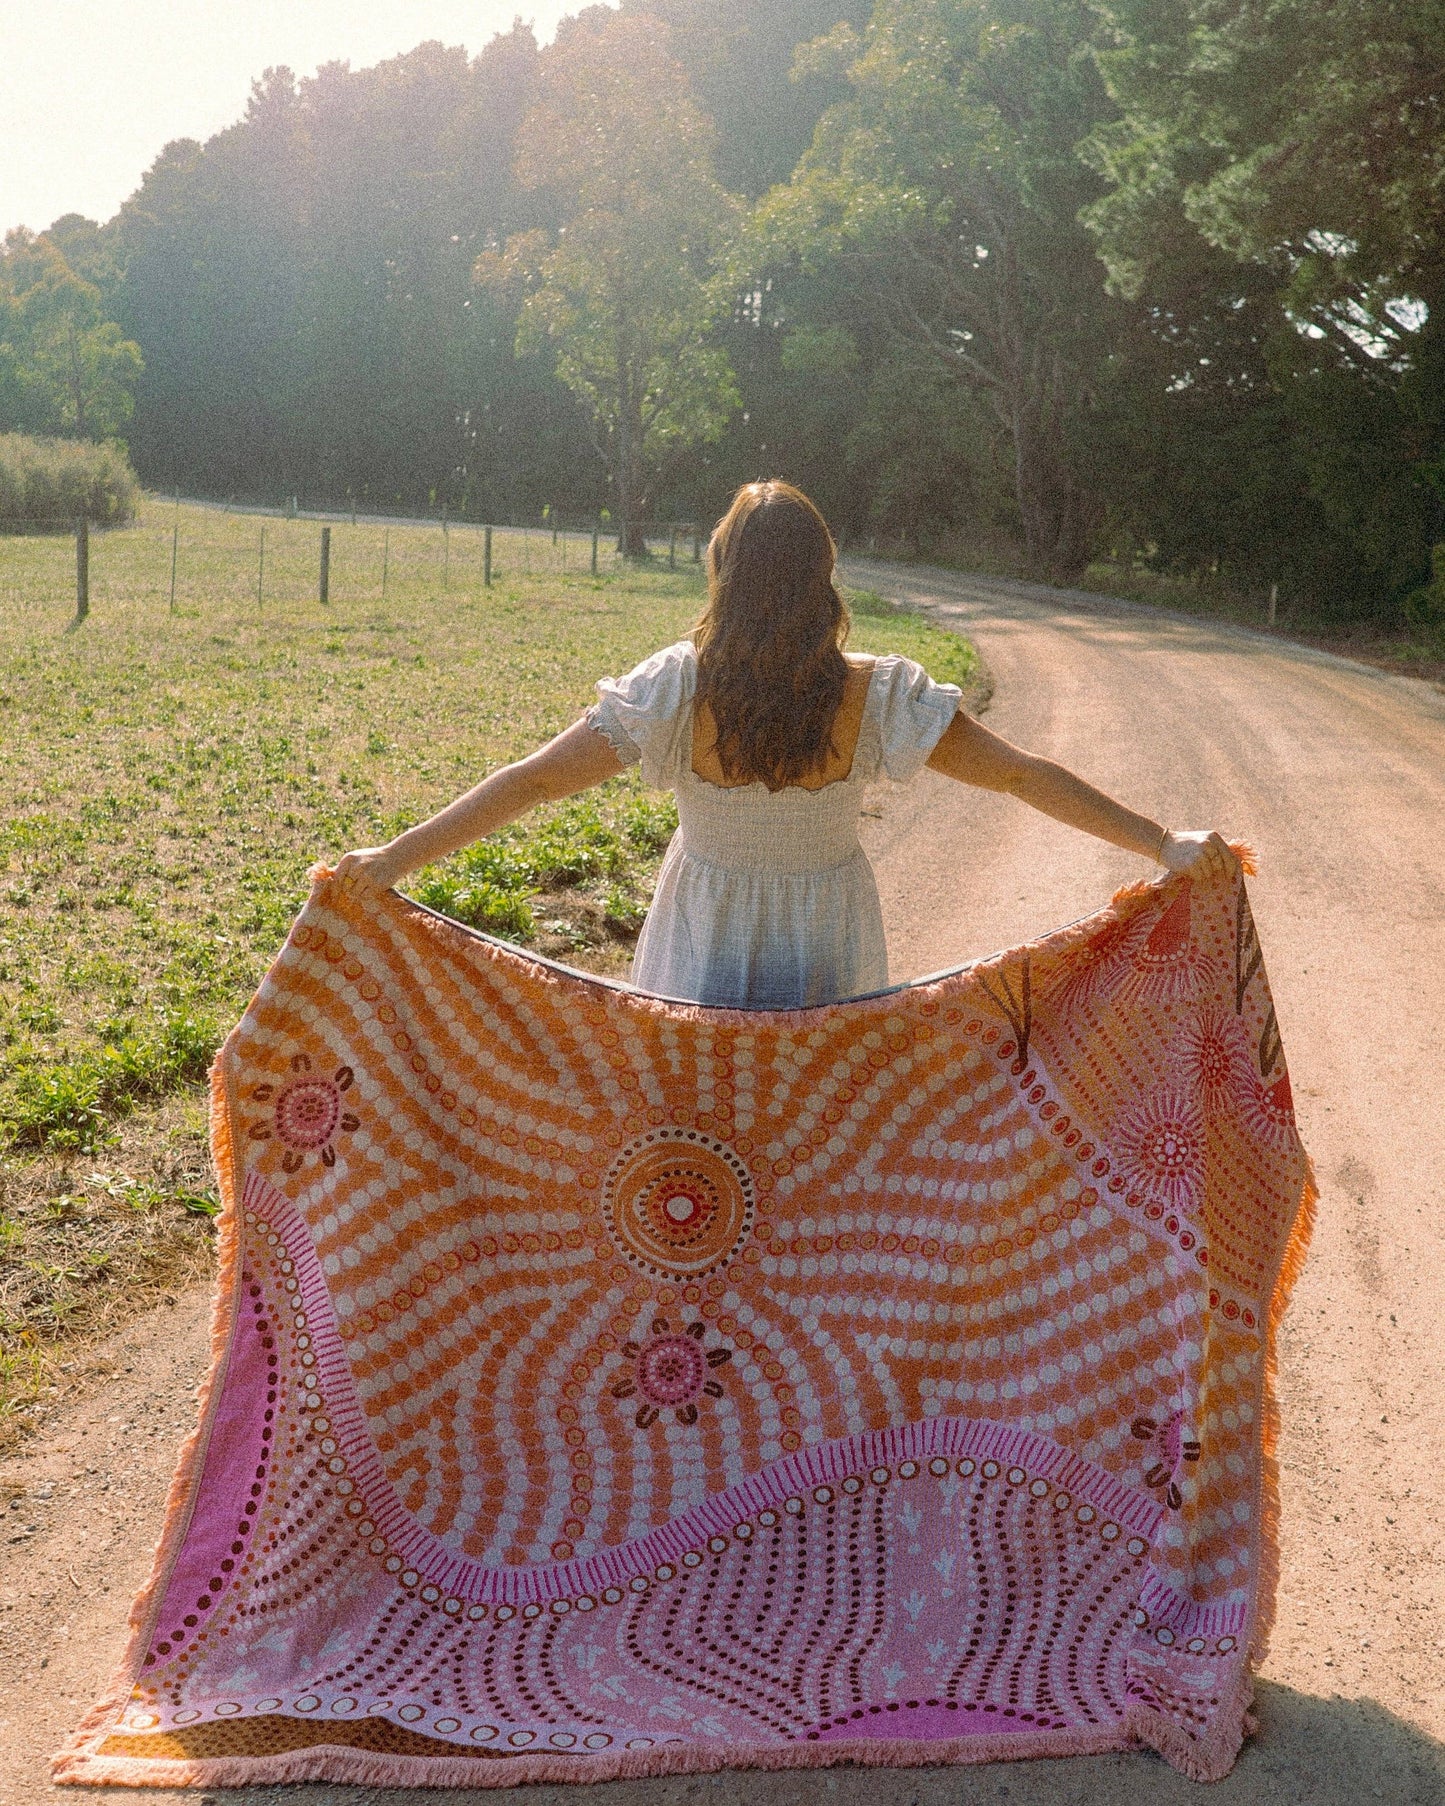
{"x":1309,"y":1752}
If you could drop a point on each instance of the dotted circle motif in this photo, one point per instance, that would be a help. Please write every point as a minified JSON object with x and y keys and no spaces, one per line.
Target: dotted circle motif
{"x":671,"y":1371}
{"x":307,"y":1112}
{"x":677,"y":1202}
{"x":1169,"y":1149}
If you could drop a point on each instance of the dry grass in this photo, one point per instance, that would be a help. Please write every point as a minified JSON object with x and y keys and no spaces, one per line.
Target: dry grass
{"x":171,"y":774}
{"x":86,"y":1244}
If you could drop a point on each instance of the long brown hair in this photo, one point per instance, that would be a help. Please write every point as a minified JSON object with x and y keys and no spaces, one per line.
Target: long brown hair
{"x":770,"y":663}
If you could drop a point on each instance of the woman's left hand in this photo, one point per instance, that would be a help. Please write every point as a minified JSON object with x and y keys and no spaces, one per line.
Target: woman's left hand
{"x":376,"y":868}
{"x":1196,"y":850}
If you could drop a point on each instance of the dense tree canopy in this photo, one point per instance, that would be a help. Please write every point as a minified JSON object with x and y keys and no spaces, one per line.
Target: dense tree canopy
{"x":1276,"y":196}
{"x":950,"y":183}
{"x":1157,"y":279}
{"x":741,"y":57}
{"x":304,"y":284}
{"x":627,"y":290}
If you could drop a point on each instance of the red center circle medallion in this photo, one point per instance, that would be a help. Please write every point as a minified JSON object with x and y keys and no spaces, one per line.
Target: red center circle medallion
{"x":677,"y":1202}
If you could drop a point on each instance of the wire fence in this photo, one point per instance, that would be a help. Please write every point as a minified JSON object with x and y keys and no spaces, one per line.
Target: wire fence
{"x":187,"y":553}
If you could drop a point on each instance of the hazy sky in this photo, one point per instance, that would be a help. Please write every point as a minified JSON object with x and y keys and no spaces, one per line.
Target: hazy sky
{"x":90,"y":90}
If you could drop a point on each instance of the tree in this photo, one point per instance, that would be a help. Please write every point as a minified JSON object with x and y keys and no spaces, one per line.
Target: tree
{"x":951,"y":185}
{"x":1308,"y":134}
{"x":739,"y":56}
{"x":64,"y":367}
{"x":302,"y":285}
{"x":1285,"y":163}
{"x":625,"y":287}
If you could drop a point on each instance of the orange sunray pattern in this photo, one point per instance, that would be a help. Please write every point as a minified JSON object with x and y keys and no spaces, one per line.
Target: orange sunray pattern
{"x":872,"y":1382}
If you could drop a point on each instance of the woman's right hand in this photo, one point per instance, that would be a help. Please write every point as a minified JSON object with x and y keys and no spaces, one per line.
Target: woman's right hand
{"x":374,"y":868}
{"x":1196,"y":850}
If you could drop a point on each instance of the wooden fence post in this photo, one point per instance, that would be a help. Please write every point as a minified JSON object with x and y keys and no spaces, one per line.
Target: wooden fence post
{"x":446,"y":549}
{"x":385,"y":558}
{"x":487,"y":557}
{"x":697,"y":545}
{"x":261,"y":571}
{"x":672,"y":548}
{"x":326,"y":564}
{"x":175,"y":546}
{"x":594,"y":551}
{"x":82,"y":568}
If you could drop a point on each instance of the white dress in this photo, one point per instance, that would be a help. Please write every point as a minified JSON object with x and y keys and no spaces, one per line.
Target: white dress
{"x":766,"y":899}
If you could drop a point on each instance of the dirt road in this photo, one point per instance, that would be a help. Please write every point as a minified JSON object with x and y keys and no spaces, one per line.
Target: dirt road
{"x":1336,"y":774}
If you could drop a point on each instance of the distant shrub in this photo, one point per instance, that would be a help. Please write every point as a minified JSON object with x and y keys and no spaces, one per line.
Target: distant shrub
{"x":1425,"y":609}
{"x":47,"y":482}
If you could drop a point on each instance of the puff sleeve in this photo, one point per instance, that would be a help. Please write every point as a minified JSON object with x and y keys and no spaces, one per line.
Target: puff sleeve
{"x":913,"y":713}
{"x":644,"y":715}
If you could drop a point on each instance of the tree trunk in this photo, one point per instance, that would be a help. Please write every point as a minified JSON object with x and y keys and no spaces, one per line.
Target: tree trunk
{"x":631,"y":540}
{"x":1052,"y":505}
{"x":1032,"y":384}
{"x":1052,"y":509}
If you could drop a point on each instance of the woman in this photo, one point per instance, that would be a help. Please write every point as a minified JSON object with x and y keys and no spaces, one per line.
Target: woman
{"x":767,"y":734}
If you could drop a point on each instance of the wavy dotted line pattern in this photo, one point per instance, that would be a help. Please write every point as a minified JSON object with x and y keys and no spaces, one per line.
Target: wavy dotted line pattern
{"x":314,"y":939}
{"x":317,"y":940}
{"x":1168,"y":1638}
{"x":1039,"y":1488}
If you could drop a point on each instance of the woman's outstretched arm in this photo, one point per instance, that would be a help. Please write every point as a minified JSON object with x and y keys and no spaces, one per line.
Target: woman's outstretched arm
{"x":576,"y":760}
{"x":973,"y":754}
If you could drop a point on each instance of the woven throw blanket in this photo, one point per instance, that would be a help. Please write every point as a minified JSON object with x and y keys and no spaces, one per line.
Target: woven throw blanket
{"x":608,"y":1386}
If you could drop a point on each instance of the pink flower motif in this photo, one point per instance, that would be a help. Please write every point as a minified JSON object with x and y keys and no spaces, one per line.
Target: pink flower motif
{"x":1170,"y":1449}
{"x":670,"y":1371}
{"x":1214,"y":1051}
{"x":1170,"y":964}
{"x":1160,"y":1149}
{"x":306,"y":1113}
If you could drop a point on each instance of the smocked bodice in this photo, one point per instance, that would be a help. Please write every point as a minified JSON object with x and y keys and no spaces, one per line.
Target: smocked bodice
{"x":765,"y":898}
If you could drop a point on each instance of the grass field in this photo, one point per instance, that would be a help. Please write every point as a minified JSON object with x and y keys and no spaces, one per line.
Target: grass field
{"x":170,"y":774}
